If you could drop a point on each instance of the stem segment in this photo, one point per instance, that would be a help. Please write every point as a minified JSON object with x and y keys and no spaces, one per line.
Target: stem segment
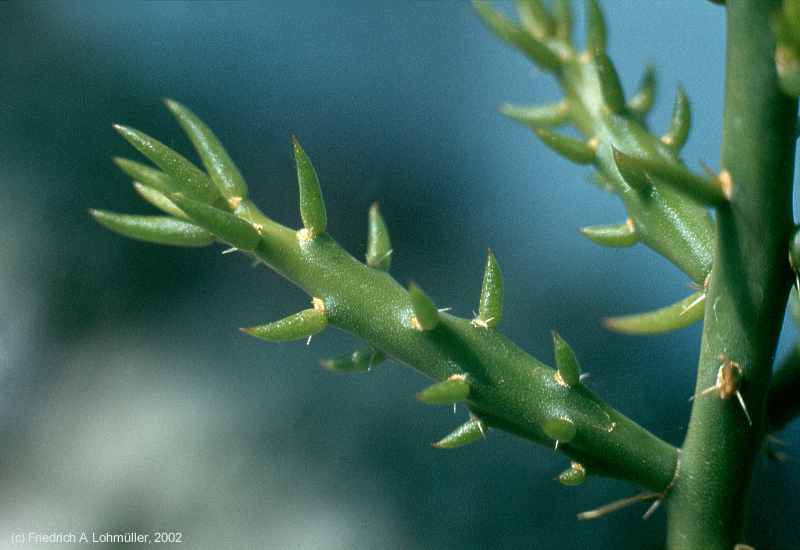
{"x":509,"y":389}
{"x":748,"y":289}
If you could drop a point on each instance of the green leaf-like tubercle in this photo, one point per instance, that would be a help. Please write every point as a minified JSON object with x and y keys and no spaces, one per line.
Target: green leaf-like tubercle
{"x":575,"y":150}
{"x":631,"y":173}
{"x":469,"y":432}
{"x":560,"y":428}
{"x":701,"y":189}
{"x":596,"y":33}
{"x":535,"y":18}
{"x":159,"y":200}
{"x":490,"y":310}
{"x":312,"y":207}
{"x":379,"y":247}
{"x":361,"y":360}
{"x":300,"y":325}
{"x":562,"y":12}
{"x":575,"y":475}
{"x":188,"y":177}
{"x":645,"y":97}
{"x":218,"y":163}
{"x":515,"y":35}
{"x":453,"y":390}
{"x":426,"y":316}
{"x":148,"y":176}
{"x":154,"y":229}
{"x":569,"y":369}
{"x":538,"y":116}
{"x":673,"y":317}
{"x":610,"y":85}
{"x":227,"y":227}
{"x":617,"y":235}
{"x":678,"y":131}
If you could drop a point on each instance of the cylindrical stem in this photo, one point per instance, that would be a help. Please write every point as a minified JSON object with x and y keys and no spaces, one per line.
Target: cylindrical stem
{"x":748,"y":289}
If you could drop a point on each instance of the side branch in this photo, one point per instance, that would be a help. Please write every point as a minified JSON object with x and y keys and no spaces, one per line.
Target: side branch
{"x":501,"y":385}
{"x":509,"y":389}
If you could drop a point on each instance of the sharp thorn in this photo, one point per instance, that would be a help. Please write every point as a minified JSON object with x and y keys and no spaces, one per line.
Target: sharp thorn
{"x":651,"y":510}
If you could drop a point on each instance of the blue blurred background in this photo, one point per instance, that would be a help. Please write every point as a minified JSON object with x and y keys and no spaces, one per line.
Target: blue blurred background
{"x":128,"y":399}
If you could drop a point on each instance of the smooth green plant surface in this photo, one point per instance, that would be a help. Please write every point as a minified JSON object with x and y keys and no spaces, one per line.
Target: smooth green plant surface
{"x":739,"y":259}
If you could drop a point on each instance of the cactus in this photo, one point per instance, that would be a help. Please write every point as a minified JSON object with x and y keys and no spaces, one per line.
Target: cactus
{"x":741,"y":260}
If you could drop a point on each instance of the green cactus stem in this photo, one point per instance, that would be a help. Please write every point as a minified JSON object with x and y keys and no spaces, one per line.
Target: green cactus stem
{"x":508,"y":389}
{"x":666,"y":219}
{"x":747,"y":290}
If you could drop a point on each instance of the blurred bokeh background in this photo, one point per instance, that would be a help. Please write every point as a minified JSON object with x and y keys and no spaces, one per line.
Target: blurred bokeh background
{"x":128,"y":399}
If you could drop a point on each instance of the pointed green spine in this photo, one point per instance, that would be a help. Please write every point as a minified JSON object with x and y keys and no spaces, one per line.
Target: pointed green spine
{"x":154,"y":229}
{"x":159,"y":200}
{"x":426,"y":316}
{"x":188,"y":177}
{"x":469,"y":432}
{"x":227,"y":227}
{"x":569,"y":369}
{"x":379,"y":246}
{"x":562,"y":13}
{"x":645,"y":97}
{"x":616,"y":235}
{"x":681,"y":122}
{"x":218,"y":163}
{"x":148,"y":176}
{"x":610,"y":85}
{"x":706,"y":191}
{"x":572,"y":149}
{"x":596,"y":33}
{"x":675,"y":316}
{"x":535,"y":18}
{"x":312,"y":207}
{"x":631,"y":173}
{"x":302,"y":324}
{"x":536,"y":116}
{"x":490,"y":308}
{"x":512,"y":33}
{"x":453,"y":390}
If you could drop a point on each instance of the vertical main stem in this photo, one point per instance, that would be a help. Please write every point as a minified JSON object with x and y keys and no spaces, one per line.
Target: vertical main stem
{"x":748,"y":288}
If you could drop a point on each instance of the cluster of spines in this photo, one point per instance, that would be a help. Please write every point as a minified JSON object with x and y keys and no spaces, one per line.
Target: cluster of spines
{"x":536,"y":32}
